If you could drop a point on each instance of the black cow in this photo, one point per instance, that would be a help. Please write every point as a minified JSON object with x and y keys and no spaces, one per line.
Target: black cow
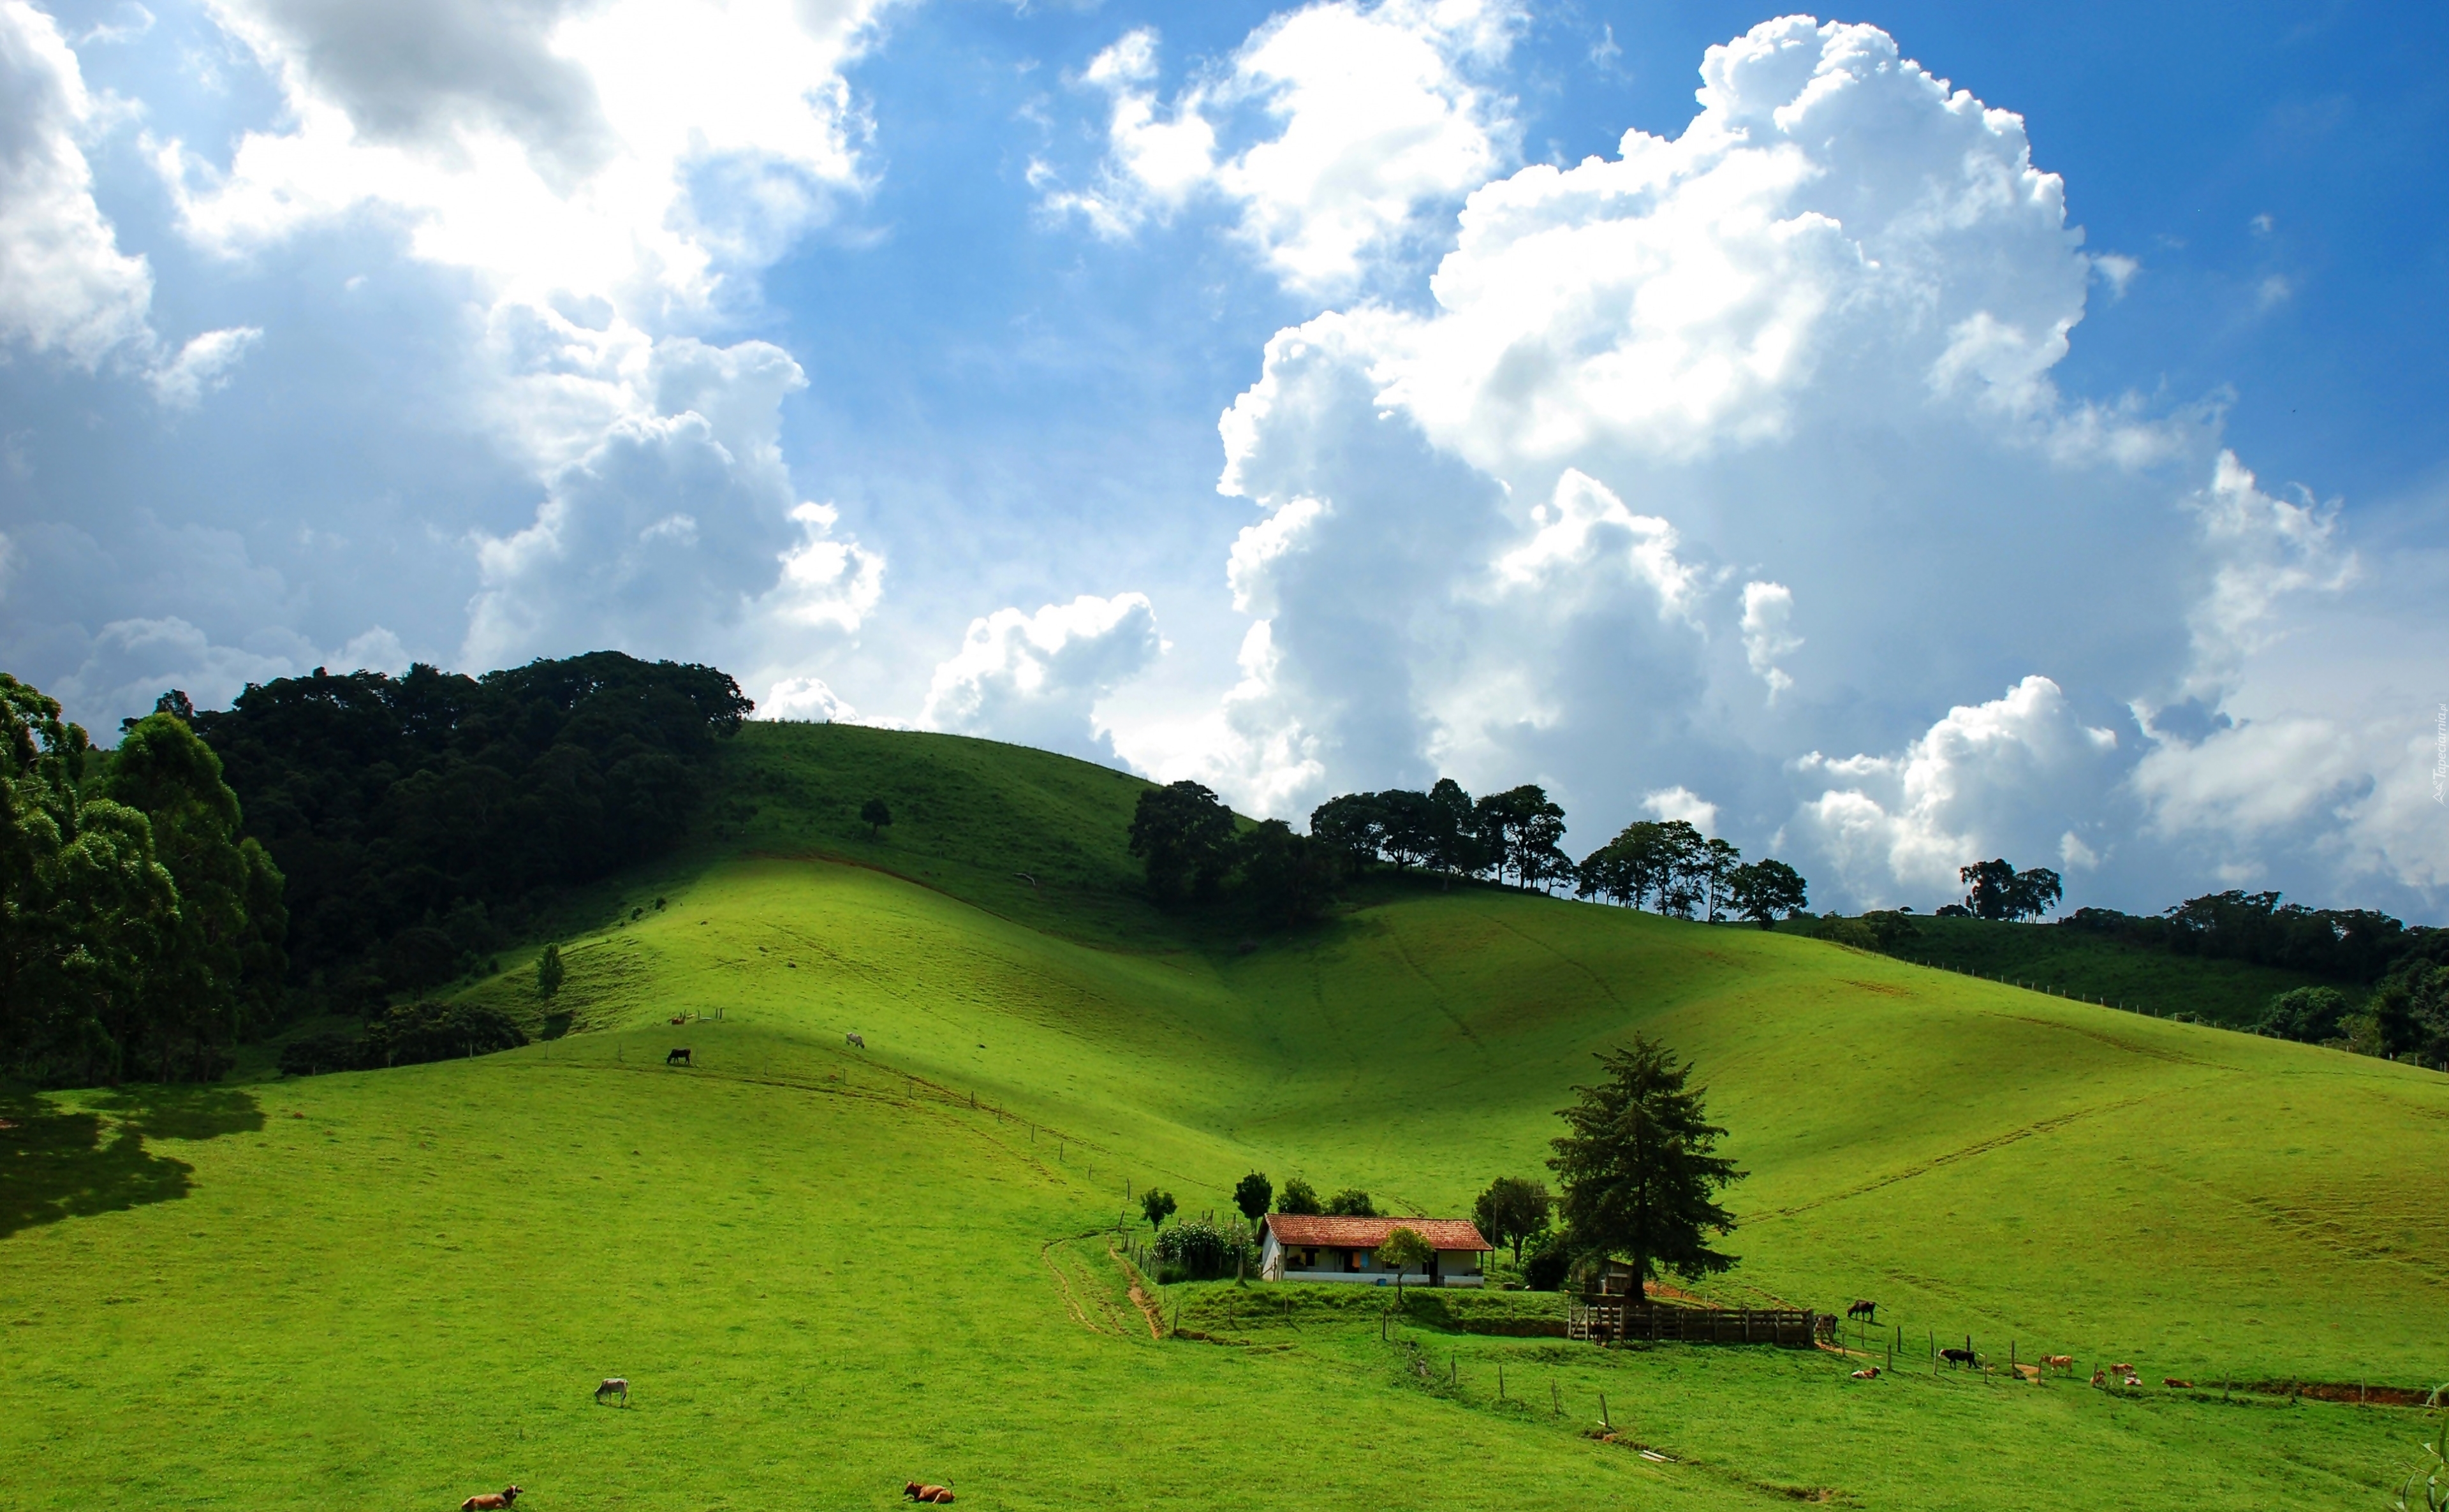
{"x":1865,"y":1310}
{"x":679,"y":1058}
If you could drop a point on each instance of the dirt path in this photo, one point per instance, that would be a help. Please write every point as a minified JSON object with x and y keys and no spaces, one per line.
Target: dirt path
{"x":1139,"y":1299}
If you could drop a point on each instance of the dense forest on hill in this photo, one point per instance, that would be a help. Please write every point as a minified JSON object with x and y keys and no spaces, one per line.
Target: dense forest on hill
{"x":422,"y":819}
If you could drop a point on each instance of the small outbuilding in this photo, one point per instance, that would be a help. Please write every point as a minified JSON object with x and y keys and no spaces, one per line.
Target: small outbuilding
{"x":1303,"y":1247}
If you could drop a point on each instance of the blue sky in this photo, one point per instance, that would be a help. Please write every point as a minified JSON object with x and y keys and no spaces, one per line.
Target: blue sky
{"x":1811,"y":480}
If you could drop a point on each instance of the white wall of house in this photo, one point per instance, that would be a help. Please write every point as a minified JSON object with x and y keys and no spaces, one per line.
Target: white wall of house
{"x":1276,"y":1263}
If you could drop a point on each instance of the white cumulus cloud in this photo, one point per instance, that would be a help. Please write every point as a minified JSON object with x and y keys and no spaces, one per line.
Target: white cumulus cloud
{"x":1036,"y":679}
{"x":2001,"y":777}
{"x":1366,"y":115}
{"x":65,"y":285}
{"x":676,"y":533}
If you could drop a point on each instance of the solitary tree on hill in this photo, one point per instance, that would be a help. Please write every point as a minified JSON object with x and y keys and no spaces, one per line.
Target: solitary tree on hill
{"x":1640,"y":1169}
{"x":876,"y":817}
{"x":1157,"y":1205}
{"x":1766,"y":891}
{"x":1512,"y":1211}
{"x":549,"y":971}
{"x":1252,"y":1194}
{"x":1995,"y":890}
{"x":1299,"y":1199}
{"x":1405,"y":1250}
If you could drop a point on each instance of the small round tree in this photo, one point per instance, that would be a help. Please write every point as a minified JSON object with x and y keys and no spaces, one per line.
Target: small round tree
{"x":1252,"y":1196}
{"x":549,"y":971}
{"x":1351,"y":1203}
{"x":1406,"y":1249}
{"x":876,"y":817}
{"x":1157,"y":1205}
{"x":1300,"y":1199}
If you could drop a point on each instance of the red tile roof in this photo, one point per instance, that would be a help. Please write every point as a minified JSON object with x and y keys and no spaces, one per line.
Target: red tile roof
{"x":1367,"y":1234}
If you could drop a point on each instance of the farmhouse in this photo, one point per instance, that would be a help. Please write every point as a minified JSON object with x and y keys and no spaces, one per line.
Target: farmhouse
{"x":1299,"y":1247}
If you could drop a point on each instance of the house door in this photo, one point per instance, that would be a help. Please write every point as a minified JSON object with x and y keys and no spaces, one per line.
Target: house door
{"x":1432,"y":1269}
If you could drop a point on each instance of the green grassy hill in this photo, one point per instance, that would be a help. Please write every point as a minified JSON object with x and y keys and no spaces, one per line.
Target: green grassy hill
{"x":828,"y":1271}
{"x":2059,"y":959}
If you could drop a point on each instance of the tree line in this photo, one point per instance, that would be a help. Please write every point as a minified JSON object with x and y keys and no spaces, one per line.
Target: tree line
{"x":1196,"y":851}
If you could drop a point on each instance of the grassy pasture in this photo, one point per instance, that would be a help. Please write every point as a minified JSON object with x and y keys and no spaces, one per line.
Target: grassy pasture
{"x":828,"y":1272}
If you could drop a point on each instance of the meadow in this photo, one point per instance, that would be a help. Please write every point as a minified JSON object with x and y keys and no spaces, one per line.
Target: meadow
{"x":827,"y":1271}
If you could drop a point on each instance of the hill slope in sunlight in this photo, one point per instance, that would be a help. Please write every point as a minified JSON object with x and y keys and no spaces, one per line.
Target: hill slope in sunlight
{"x":829,"y":1269}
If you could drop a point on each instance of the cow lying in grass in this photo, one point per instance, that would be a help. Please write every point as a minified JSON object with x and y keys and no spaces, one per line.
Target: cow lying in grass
{"x":491,"y":1501}
{"x":918,"y":1491}
{"x":1868,"y":1372}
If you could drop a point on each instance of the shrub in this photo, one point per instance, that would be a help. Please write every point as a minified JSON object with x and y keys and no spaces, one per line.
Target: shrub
{"x":410,"y":1035}
{"x":1546,"y":1267}
{"x":1351,"y":1203}
{"x":1202,"y":1250}
{"x":317,"y":1053}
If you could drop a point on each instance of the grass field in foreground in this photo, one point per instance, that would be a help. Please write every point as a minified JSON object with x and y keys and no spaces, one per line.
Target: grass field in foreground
{"x":828,"y":1273}
{"x":396,"y":1289}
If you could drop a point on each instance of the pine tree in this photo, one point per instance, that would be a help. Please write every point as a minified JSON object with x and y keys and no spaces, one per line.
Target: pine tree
{"x":1639,"y":1168}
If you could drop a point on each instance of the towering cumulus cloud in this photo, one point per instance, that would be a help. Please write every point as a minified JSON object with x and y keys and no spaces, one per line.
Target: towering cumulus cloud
{"x":1792,"y":366}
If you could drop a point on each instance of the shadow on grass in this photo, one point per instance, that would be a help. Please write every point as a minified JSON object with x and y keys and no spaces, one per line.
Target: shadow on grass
{"x":60,"y":1162}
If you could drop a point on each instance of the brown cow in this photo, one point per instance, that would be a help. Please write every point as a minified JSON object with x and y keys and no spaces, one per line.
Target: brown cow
{"x":2121,"y":1370}
{"x":491,"y":1501}
{"x":2173,"y":1382}
{"x":1868,"y":1372}
{"x":2059,"y":1362}
{"x":918,"y":1491}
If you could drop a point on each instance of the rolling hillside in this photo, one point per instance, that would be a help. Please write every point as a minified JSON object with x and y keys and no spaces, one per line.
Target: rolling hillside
{"x":830,"y":1270}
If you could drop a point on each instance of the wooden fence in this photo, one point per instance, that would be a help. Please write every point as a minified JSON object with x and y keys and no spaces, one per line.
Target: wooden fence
{"x":1605,"y":1320}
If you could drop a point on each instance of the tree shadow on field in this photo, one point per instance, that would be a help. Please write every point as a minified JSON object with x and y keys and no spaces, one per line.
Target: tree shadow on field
{"x":67,"y":1162}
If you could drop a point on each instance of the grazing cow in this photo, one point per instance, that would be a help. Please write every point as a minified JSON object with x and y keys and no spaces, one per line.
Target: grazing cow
{"x":678,"y":1057}
{"x":1865,"y":1310}
{"x":2099,"y":1376}
{"x":614,"y":1386}
{"x":1868,"y":1372}
{"x":2059,"y":1362}
{"x":491,"y":1501}
{"x":858,"y":1039}
{"x":1955,"y":1357}
{"x":918,"y":1491}
{"x":2121,"y":1370}
{"x":2174,"y":1384}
